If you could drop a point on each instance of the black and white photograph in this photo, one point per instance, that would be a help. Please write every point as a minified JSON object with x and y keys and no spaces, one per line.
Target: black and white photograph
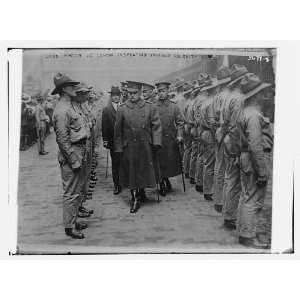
{"x":163,"y":150}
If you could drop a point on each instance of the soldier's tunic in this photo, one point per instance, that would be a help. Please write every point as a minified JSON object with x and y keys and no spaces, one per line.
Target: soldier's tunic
{"x":172,"y":126}
{"x":41,"y":126}
{"x":195,"y":142}
{"x":229,"y":137}
{"x":219,"y":171}
{"x":71,"y":134}
{"x":187,"y":137}
{"x":208,"y":140}
{"x":257,"y":143}
{"x":137,"y":129}
{"x":199,"y":164}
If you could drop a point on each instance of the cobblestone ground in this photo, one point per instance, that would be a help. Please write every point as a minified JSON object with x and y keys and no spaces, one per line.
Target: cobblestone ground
{"x":181,"y":222}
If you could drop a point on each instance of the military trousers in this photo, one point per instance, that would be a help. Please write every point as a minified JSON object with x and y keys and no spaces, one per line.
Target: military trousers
{"x":193,"y":159}
{"x":73,"y":184}
{"x":208,"y":167}
{"x":199,"y":166}
{"x":251,"y":199}
{"x":115,"y":166}
{"x":41,"y":135}
{"x":232,"y":187}
{"x":219,"y":173}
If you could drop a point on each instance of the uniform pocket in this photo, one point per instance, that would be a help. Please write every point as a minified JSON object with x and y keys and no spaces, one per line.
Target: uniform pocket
{"x":246,"y":163}
{"x":61,"y":159}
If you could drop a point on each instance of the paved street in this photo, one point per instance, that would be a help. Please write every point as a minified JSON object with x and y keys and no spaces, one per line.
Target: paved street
{"x":182,"y":222}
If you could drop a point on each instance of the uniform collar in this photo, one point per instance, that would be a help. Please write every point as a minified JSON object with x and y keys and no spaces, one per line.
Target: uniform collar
{"x":139,"y":103}
{"x":165,"y":102}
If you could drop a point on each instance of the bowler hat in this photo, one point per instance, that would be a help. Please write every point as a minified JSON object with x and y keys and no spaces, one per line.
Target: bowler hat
{"x":115,"y":90}
{"x":62,"y":80}
{"x":251,"y":85}
{"x":237,"y":72}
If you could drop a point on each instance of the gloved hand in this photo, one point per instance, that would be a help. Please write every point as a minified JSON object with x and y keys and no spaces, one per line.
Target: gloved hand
{"x":261,"y":181}
{"x":106,"y":144}
{"x":179,"y":140}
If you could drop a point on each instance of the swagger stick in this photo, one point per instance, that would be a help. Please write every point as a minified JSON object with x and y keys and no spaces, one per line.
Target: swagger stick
{"x":180,"y":145}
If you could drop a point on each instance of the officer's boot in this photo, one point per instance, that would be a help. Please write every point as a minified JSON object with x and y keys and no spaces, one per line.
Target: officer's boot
{"x":142,"y":195}
{"x":168,"y":184}
{"x":135,"y":205}
{"x":162,"y":188}
{"x":74,"y":234}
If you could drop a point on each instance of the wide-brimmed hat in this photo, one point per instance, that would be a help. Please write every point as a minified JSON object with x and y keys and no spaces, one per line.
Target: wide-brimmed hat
{"x":237,"y":72}
{"x":223,"y":76}
{"x":62,"y":80}
{"x":115,"y":90}
{"x":251,"y":84}
{"x":82,"y":88}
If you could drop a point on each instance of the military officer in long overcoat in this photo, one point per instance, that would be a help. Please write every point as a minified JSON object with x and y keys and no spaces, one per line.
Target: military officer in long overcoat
{"x":137,"y":138}
{"x":72,"y":133}
{"x":172,"y":135}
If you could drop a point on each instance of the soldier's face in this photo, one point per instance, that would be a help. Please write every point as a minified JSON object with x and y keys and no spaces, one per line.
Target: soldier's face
{"x":147,"y":94}
{"x":163,"y":93}
{"x":115,"y":98}
{"x":134,"y":95}
{"x":81,"y":97}
{"x":70,"y":91}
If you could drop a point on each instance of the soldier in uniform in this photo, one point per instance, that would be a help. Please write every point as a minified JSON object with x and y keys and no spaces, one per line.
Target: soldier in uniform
{"x":71,"y":134}
{"x":137,"y":138}
{"x":256,"y":146}
{"x":123,"y":92}
{"x":223,"y":77}
{"x":228,"y":138}
{"x":41,"y":124}
{"x":187,"y":129}
{"x":148,"y":92}
{"x":172,"y":135}
{"x":108,"y":125}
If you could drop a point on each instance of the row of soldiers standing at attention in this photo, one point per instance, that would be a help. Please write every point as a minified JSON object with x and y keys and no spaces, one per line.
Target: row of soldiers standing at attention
{"x":228,"y":145}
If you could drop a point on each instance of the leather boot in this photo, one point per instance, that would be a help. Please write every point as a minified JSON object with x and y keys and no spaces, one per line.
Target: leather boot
{"x":218,"y":208}
{"x":84,"y":210}
{"x":167,"y":184}
{"x":74,"y":234}
{"x":80,"y":226}
{"x":142,"y":195}
{"x":253,"y":243}
{"x":135,"y":205}
{"x":199,"y":188}
{"x":230,"y":224}
{"x":208,"y":197}
{"x":162,"y":189}
{"x":117,"y":189}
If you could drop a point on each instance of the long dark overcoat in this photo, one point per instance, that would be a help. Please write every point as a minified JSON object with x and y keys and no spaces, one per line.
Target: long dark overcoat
{"x":137,"y":129}
{"x":172,"y":126}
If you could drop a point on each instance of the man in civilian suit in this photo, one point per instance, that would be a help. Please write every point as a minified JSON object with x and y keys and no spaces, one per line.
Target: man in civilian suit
{"x":108,"y":124}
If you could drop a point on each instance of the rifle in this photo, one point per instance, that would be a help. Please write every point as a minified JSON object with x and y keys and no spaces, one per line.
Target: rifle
{"x":180,"y":145}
